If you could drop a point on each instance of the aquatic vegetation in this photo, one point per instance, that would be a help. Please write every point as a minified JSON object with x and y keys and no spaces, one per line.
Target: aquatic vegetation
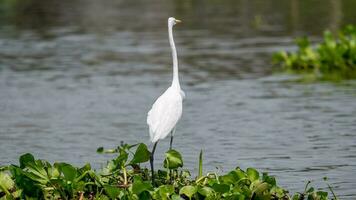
{"x":332,"y":59}
{"x":124,"y":177}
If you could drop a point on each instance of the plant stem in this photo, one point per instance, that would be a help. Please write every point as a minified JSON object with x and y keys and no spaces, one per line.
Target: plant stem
{"x":81,"y":196}
{"x":200,"y":179}
{"x":306,"y":187}
{"x":125,"y":176}
{"x":5,"y":190}
{"x":200,"y":164}
{"x":332,"y":191}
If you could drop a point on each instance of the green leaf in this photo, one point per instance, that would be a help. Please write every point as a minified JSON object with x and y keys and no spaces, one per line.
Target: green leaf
{"x":260,"y":188}
{"x":173,"y":159}
{"x":165,"y":191}
{"x":269,"y":179}
{"x":120,"y":161}
{"x":302,"y":42}
{"x":296,"y":197}
{"x":237,"y":197}
{"x":100,"y":150}
{"x":240,"y":174}
{"x":252,"y":174}
{"x":102,"y":197}
{"x":139,"y":187}
{"x":28,"y":185}
{"x":200,"y":173}
{"x":141,"y":155}
{"x":6,"y":183}
{"x":310,"y":190}
{"x":53,"y":172}
{"x":112,"y":191}
{"x":85,"y":168}
{"x":25,"y":159}
{"x":107,"y":151}
{"x":176,"y":197}
{"x":68,"y":171}
{"x":228,"y":179}
{"x":221,"y":188}
{"x":36,"y":171}
{"x":145,"y":195}
{"x":188,"y":191}
{"x":206,"y":191}
{"x":322,"y":194}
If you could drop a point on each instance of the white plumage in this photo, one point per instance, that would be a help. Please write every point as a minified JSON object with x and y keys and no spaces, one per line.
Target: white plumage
{"x":165,"y":113}
{"x":167,"y":109}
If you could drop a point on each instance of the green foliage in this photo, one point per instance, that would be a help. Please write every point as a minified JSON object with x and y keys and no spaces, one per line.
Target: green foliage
{"x":200,"y":167}
{"x":141,"y":155}
{"x":188,"y":191}
{"x":124,"y":178}
{"x":173,"y":159}
{"x":332,"y":59}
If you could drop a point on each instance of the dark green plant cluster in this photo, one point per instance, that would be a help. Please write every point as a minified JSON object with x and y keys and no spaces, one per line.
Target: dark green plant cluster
{"x":125,"y":178}
{"x":332,"y":59}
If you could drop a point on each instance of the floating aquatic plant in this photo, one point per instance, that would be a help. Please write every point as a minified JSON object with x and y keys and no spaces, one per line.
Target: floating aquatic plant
{"x":332,"y":59}
{"x":125,"y":177}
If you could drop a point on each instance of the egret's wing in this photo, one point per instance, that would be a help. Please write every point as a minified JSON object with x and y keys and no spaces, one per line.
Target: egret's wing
{"x":165,"y":114}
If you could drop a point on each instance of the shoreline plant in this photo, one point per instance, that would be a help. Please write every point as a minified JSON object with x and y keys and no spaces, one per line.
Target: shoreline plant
{"x":333,"y":59}
{"x":125,"y":177}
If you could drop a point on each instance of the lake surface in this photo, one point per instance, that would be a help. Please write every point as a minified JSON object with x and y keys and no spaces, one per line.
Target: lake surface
{"x":77,"y":75}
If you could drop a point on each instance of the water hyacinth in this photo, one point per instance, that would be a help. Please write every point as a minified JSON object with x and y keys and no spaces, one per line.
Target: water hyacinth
{"x":125,"y":178}
{"x":332,"y":59}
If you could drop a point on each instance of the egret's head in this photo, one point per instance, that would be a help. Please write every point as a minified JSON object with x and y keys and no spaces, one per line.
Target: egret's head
{"x":172,"y":21}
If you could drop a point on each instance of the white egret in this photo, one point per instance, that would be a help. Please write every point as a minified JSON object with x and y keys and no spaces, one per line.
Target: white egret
{"x":167,"y":109}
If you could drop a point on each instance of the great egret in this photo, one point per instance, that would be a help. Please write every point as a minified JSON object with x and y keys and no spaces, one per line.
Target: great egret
{"x":167,"y":109}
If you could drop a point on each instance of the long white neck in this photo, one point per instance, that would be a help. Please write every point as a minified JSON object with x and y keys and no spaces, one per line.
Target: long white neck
{"x":175,"y":81}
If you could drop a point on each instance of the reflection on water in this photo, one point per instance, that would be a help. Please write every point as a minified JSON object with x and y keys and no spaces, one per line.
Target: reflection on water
{"x":75,"y":75}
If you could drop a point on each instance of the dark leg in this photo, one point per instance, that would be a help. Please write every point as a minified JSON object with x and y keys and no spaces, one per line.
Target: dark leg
{"x":170,"y":144}
{"x":151,"y":162}
{"x":172,"y":134}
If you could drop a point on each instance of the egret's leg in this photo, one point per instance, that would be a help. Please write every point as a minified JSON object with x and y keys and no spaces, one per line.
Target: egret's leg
{"x":170,"y":143}
{"x":151,"y":162}
{"x":172,"y":134}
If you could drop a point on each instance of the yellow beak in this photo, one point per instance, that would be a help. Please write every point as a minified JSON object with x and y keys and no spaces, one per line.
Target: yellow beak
{"x":178,"y":21}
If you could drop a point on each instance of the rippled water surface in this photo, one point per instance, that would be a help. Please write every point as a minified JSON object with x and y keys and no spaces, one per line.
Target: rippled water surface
{"x":76,"y":75}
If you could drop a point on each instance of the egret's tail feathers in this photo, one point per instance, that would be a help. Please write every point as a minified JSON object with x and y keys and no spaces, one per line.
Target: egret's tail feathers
{"x":155,"y":139}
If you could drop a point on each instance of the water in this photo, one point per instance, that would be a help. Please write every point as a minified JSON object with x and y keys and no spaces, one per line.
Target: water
{"x":77,"y":75}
